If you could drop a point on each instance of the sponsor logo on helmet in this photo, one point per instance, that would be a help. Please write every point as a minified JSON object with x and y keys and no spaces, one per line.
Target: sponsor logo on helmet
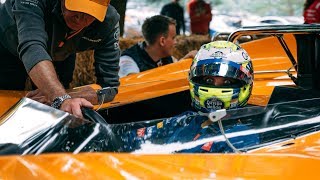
{"x":245,"y":55}
{"x":245,"y":70}
{"x":214,"y":103}
{"x":218,"y":54}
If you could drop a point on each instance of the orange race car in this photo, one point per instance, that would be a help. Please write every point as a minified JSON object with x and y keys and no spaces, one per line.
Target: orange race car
{"x":280,"y":126}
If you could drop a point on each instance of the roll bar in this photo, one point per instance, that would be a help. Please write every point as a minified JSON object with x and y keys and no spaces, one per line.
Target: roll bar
{"x":307,"y":37}
{"x":275,"y":30}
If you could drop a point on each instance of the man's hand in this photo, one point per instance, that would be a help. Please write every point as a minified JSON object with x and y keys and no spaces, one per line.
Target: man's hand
{"x":37,"y":95}
{"x":45,"y":78}
{"x":85,"y":92}
{"x":73,"y":106}
{"x":81,"y":97}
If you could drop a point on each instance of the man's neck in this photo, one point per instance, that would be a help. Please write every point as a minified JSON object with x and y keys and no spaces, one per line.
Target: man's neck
{"x":154,"y":52}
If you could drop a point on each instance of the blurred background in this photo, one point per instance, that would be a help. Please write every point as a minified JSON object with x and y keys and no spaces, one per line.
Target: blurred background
{"x":228,"y":15}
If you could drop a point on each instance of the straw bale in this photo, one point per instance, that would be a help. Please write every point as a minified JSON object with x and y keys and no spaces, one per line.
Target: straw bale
{"x":185,"y":44}
{"x":84,"y":72}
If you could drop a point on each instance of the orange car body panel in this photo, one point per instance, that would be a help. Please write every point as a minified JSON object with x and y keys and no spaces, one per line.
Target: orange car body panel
{"x":266,"y":55}
{"x":289,"y":159}
{"x":279,"y":161}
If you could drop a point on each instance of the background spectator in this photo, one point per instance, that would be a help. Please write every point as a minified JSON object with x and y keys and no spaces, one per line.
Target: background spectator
{"x":175,"y":11}
{"x":200,"y":16}
{"x":159,"y":33}
{"x":311,"y":12}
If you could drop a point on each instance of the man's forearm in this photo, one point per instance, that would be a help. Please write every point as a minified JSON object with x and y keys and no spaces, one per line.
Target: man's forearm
{"x":45,"y":78}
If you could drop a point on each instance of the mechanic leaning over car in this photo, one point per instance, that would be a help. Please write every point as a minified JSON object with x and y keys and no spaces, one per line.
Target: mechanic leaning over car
{"x":39,"y":39}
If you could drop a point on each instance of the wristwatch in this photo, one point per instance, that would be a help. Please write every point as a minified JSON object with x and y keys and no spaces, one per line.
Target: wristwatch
{"x":57,"y":102}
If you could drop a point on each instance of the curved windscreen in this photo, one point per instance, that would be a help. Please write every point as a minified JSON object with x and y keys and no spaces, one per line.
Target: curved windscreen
{"x":33,"y":128}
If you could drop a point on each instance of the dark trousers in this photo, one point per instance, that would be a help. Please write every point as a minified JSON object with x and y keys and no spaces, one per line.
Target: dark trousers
{"x":13,"y":74}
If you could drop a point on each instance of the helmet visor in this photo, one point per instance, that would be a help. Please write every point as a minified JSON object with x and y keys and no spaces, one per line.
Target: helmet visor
{"x":225,"y":83}
{"x":218,"y":67}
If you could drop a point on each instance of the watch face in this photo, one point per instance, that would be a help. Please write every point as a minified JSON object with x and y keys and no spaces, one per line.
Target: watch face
{"x":56,"y":103}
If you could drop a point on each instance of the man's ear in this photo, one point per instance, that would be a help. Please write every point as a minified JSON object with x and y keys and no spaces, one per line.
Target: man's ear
{"x":162,"y":40}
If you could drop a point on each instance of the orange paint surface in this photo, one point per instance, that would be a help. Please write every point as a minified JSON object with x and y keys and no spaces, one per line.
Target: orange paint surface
{"x":294,"y":159}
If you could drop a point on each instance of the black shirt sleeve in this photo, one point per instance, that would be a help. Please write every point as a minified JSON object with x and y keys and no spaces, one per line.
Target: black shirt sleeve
{"x":107,"y":62}
{"x":32,"y":37}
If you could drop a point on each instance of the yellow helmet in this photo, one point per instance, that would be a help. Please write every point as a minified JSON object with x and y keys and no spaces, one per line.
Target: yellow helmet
{"x":220,"y":59}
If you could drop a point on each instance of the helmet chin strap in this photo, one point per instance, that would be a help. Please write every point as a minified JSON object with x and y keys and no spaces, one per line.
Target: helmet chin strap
{"x":216,"y":116}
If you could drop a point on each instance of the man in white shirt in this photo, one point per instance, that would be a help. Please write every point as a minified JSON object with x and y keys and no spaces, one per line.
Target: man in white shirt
{"x":159,"y":33}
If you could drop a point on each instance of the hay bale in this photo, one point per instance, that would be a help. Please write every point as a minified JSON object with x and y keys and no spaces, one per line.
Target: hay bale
{"x":84,"y":72}
{"x":125,"y":43}
{"x":185,"y":44}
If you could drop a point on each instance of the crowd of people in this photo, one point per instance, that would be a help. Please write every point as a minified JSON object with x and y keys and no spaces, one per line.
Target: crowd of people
{"x":199,"y":12}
